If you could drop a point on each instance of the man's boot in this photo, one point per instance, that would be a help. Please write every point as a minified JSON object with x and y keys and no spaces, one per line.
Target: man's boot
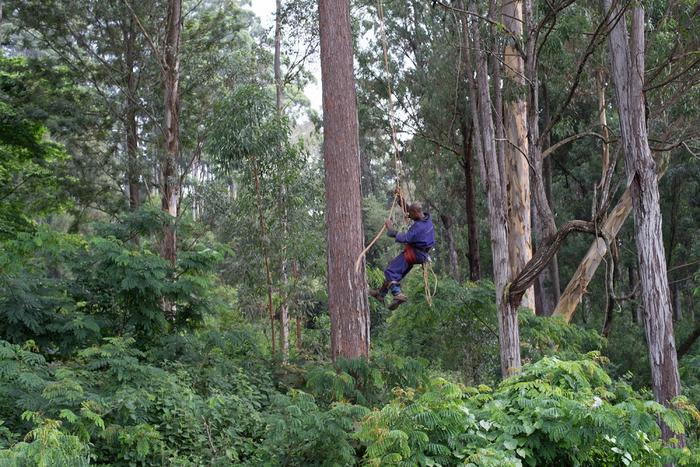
{"x":398,"y":300}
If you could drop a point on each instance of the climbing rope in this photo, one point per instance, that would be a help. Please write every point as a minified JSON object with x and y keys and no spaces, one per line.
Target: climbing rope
{"x":427,"y":269}
{"x":394,"y":141}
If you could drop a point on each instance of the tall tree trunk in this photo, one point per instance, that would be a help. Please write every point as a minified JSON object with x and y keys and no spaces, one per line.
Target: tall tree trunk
{"x":170,"y":189}
{"x":627,"y":57}
{"x":169,"y":179}
{"x":508,"y":330}
{"x":470,"y":203}
{"x":542,"y":216}
{"x":452,"y":260}
{"x":131,"y":124}
{"x":347,"y":287}
{"x":279,"y":87}
{"x":296,"y":274}
{"x":517,"y":151}
{"x":265,"y":241}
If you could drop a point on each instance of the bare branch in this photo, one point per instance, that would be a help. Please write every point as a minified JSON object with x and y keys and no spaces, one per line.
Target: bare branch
{"x":569,"y":139}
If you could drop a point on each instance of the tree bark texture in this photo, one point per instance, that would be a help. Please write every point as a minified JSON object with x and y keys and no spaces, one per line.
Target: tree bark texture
{"x":347,"y":288}
{"x":470,"y":203}
{"x":508,"y":330}
{"x":169,"y":177}
{"x":627,"y":57}
{"x":516,"y":150}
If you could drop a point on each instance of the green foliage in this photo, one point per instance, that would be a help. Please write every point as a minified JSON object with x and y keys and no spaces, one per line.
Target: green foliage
{"x":365,"y":383}
{"x":46,"y":446}
{"x":301,"y":433}
{"x":552,"y":336}
{"x":64,"y":290}
{"x":113,"y":405}
{"x":458,"y":333}
{"x":32,"y":168}
{"x":554,"y":413}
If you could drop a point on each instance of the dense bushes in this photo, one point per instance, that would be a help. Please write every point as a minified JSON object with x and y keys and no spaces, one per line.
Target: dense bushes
{"x":109,"y":401}
{"x":90,"y":373}
{"x":64,"y":291}
{"x":218,"y":406}
{"x":554,"y":413}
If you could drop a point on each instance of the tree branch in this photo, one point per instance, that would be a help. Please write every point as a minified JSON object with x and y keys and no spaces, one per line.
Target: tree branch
{"x":567,"y":140}
{"x":543,"y":256}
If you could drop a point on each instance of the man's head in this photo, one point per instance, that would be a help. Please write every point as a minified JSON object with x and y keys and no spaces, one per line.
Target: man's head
{"x":415,"y":211}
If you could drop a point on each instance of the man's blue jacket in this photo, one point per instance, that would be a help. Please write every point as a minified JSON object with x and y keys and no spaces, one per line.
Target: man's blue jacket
{"x":421,"y":235}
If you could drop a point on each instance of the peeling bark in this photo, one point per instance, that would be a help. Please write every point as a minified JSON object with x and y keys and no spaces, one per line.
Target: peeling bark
{"x":481,"y":105}
{"x":627,"y":57}
{"x":169,"y":178}
{"x":517,"y":168}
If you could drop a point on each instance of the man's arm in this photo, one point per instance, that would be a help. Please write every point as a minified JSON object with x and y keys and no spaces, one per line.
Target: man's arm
{"x":401,"y":237}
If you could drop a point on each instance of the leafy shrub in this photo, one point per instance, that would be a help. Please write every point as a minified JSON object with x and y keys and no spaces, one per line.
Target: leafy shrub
{"x":543,"y":336}
{"x":302,"y":434}
{"x":46,"y":446}
{"x":458,"y":333}
{"x":65,"y":291}
{"x":124,"y":411}
{"x":554,"y":413}
{"x":368,"y":383}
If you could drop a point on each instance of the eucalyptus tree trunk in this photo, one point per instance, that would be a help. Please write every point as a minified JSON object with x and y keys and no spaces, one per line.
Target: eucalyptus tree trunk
{"x":265,"y":241}
{"x":493,"y":180}
{"x":542,"y":218}
{"x":279,"y":88}
{"x":170,"y":189}
{"x":516,"y":150}
{"x":131,"y":124}
{"x":627,"y":58}
{"x":470,"y":204}
{"x":347,"y":287}
{"x":452,"y":260}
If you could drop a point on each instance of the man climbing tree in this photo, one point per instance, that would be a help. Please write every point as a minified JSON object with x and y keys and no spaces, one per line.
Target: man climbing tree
{"x":417,"y":241}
